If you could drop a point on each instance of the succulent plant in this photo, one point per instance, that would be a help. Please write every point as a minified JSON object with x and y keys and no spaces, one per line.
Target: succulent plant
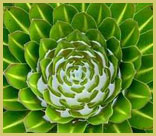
{"x":78,"y":68}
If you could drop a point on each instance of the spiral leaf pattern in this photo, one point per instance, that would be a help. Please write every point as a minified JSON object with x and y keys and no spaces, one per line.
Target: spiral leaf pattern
{"x":78,"y":68}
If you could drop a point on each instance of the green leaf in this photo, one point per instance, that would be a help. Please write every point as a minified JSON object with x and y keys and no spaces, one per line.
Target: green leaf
{"x":29,"y":99}
{"x":13,"y":121}
{"x":145,"y":19}
{"x":98,"y":11}
{"x":16,"y":44}
{"x":94,"y":128}
{"x":41,"y":11}
{"x":39,"y":29}
{"x":114,"y":90}
{"x":121,"y":109}
{"x":10,"y":99}
{"x":122,"y":11}
{"x":5,"y":83}
{"x":127,"y":74}
{"x":145,"y":43}
{"x":133,"y":55}
{"x":56,"y":116}
{"x":16,"y":75}
{"x":113,"y":44}
{"x":72,"y":127}
{"x":115,"y":64}
{"x":102,"y":117}
{"x":60,"y":30}
{"x":43,"y":64}
{"x":129,"y":33}
{"x":16,"y":19}
{"x":32,"y":83}
{"x":46,"y":44}
{"x":140,"y":6}
{"x":80,"y":6}
{"x":54,"y":5}
{"x":138,"y":94}
{"x":31,"y":53}
{"x":76,"y":35}
{"x":95,"y":35}
{"x":67,"y":13}
{"x":25,"y":6}
{"x":145,"y":73}
{"x":5,"y":36}
{"x":109,"y":28}
{"x":123,"y":127}
{"x":143,"y":118}
{"x":8,"y":58}
{"x":35,"y":122}
{"x":82,"y":21}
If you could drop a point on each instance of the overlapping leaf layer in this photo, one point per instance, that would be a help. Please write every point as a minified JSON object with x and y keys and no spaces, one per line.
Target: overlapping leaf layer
{"x":78,"y":68}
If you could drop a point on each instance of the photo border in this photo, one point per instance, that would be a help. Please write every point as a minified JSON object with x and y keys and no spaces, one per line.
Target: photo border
{"x":77,"y":1}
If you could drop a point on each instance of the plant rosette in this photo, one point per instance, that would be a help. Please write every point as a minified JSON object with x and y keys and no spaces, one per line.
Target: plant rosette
{"x":78,"y":68}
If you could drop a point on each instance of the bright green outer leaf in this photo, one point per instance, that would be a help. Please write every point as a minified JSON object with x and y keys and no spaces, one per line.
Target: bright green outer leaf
{"x":83,"y":22}
{"x":76,"y":35}
{"x":149,"y":131}
{"x":138,"y":94}
{"x":32,"y":83}
{"x":55,"y":116}
{"x":39,"y":29}
{"x":145,"y":43}
{"x":5,"y":83}
{"x":121,"y":109}
{"x":25,"y":6}
{"x":7,"y":4}
{"x":127,"y":74}
{"x":46,"y":44}
{"x":54,"y":5}
{"x":123,"y":127}
{"x":108,"y":4}
{"x":129,"y":32}
{"x":31,"y":53}
{"x":13,"y":121}
{"x":113,"y":44}
{"x":140,"y":6}
{"x":138,"y":130}
{"x":145,"y":73}
{"x":72,"y":127}
{"x":5,"y":36}
{"x":35,"y":122}
{"x":102,"y":117}
{"x":95,"y":35}
{"x":122,"y":11}
{"x":143,"y":118}
{"x":98,"y":11}
{"x":16,"y":44}
{"x":8,"y":58}
{"x":80,"y":6}
{"x":41,"y":11}
{"x":94,"y":128}
{"x":67,"y":13}
{"x":132,"y":54}
{"x":10,"y":99}
{"x":109,"y":28}
{"x":16,"y":19}
{"x":29,"y":99}
{"x":16,"y":75}
{"x":145,"y":19}
{"x":60,"y":30}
